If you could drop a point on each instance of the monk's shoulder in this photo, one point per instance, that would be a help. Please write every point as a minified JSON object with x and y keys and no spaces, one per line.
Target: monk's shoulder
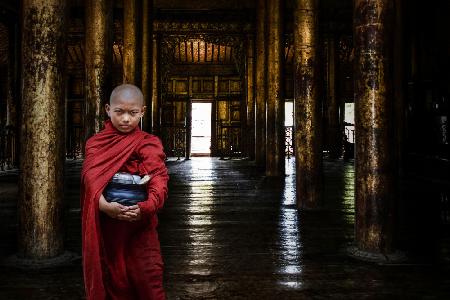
{"x":95,"y":139}
{"x":150,"y":139}
{"x":91,"y":142}
{"x":150,"y":144}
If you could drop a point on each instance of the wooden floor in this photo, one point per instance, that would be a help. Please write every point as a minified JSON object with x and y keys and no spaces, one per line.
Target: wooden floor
{"x":228,"y":232}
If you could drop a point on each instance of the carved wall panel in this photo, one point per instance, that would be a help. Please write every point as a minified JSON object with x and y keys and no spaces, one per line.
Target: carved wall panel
{"x":229,"y":127}
{"x":75,"y":117}
{"x":173,"y":127}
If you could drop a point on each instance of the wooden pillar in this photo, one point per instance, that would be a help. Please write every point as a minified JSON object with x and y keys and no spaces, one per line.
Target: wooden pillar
{"x":260,"y":91}
{"x":334,"y":127}
{"x":11,"y":105}
{"x":16,"y":91}
{"x":147,"y":46}
{"x":7,"y":36}
{"x":214,"y":119}
{"x":98,"y":61}
{"x":11,"y":102}
{"x":308,"y":156}
{"x":250,"y":75}
{"x":131,"y":67}
{"x":42,"y":160}
{"x":156,"y":120}
{"x":275,"y":87}
{"x":188,"y":121}
{"x":374,"y":188}
{"x":399,"y":85}
{"x":188,"y":128}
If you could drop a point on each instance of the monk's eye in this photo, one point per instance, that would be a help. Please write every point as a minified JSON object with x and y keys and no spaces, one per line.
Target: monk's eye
{"x":134,"y":113}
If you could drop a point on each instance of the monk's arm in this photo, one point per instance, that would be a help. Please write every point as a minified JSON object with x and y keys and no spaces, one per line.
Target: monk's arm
{"x":153,"y":159}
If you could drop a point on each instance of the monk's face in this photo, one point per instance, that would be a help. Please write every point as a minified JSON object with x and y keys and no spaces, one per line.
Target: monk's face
{"x":125,"y":113}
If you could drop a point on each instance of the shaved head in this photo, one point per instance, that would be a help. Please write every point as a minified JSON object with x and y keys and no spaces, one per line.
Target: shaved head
{"x":127,"y":92}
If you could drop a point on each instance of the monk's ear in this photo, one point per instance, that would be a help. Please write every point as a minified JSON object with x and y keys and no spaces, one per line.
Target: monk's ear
{"x":144,"y":108}
{"x":108,"y":108}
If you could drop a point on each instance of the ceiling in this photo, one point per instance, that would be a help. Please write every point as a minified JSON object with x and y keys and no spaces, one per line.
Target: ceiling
{"x":334,"y":10}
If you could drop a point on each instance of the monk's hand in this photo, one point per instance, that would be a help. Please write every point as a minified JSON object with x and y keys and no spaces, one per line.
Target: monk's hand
{"x":112,"y":209}
{"x":132,"y":214}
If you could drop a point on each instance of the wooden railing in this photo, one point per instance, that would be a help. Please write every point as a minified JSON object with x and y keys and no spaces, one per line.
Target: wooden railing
{"x":350,"y":134}
{"x":288,"y":141}
{"x":74,"y":142}
{"x":349,"y":141}
{"x":8,"y":155}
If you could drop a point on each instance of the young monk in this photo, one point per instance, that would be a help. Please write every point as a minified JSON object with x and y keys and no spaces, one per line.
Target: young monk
{"x":121,"y":252}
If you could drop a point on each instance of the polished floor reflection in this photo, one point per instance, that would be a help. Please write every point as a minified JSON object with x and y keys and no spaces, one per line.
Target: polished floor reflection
{"x":228,"y":232}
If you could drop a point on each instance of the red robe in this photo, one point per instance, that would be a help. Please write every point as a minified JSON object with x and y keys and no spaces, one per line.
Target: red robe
{"x":121,"y":259}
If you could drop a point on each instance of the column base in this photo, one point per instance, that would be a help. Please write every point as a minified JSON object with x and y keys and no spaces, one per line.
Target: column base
{"x":380,"y":258}
{"x":65,"y":259}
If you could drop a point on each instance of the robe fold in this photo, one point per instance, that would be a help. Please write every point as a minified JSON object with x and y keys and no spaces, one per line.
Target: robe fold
{"x":121,"y":259}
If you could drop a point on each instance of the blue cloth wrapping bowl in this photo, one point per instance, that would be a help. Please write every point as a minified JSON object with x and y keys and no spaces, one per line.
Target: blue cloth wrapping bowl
{"x":124,"y":189}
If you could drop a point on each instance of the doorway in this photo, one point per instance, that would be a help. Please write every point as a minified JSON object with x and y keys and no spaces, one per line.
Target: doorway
{"x":201,"y":129}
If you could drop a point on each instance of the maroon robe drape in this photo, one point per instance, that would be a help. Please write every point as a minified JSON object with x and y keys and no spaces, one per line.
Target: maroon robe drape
{"x":106,"y":153}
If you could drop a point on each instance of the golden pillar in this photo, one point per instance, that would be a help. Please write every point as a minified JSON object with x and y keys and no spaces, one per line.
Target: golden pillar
{"x":250,"y":74}
{"x":334,"y":128}
{"x":307,"y":106}
{"x":156,"y":120}
{"x":42,"y":135}
{"x":147,"y":45}
{"x":130,"y":43}
{"x":98,"y":20}
{"x":275,"y":98}
{"x":261,"y":86}
{"x":374,"y":185}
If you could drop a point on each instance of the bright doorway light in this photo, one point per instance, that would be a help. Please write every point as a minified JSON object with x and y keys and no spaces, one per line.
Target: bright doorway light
{"x":201,"y":129}
{"x":350,"y":113}
{"x":289,"y":113}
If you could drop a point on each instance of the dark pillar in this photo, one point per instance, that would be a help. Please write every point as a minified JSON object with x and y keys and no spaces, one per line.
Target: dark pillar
{"x":399,"y":85}
{"x":130,"y":43}
{"x":374,"y":188}
{"x":147,"y":45}
{"x":156,"y":120}
{"x":275,"y":98}
{"x":11,"y":106}
{"x":188,"y":124}
{"x":11,"y":103}
{"x":7,"y":35}
{"x":334,"y":128}
{"x":42,"y":136}
{"x":250,"y":75}
{"x":260,"y":92}
{"x":308,"y":156}
{"x":98,"y":61}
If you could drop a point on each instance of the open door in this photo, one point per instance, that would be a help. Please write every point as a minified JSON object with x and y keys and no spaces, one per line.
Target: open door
{"x":201,"y":129}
